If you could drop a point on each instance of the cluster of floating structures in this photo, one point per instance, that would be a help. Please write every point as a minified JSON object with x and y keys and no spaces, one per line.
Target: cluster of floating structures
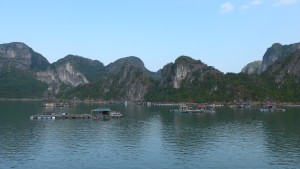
{"x":240,"y":106}
{"x":51,"y":104}
{"x":211,"y":109}
{"x":99,"y":113}
{"x":198,"y":109}
{"x":257,"y":106}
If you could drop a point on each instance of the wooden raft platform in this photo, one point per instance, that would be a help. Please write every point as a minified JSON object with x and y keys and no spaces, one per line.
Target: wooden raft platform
{"x":64,"y":116}
{"x":104,"y":113}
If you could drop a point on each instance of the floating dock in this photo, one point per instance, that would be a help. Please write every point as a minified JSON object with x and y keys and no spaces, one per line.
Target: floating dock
{"x":98,"y":113}
{"x":64,"y":116}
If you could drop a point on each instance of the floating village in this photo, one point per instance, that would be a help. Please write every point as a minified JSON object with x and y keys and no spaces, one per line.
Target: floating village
{"x":106,"y":112}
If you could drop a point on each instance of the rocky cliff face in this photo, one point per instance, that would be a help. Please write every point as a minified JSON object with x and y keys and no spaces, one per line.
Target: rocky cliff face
{"x":20,"y":56}
{"x":134,"y":62}
{"x":50,"y":77}
{"x":290,"y":66}
{"x":71,"y":71}
{"x":252,"y":68}
{"x":79,"y":69}
{"x":187,"y":70}
{"x":69,"y":75}
{"x":131,"y":60}
{"x":62,"y":74}
{"x":277,"y":52}
{"x":127,"y":79}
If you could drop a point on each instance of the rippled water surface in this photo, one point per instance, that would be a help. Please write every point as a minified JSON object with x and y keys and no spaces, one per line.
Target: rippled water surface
{"x":148,"y":137}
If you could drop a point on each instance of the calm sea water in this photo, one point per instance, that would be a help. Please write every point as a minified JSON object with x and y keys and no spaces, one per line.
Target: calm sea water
{"x":148,"y":137}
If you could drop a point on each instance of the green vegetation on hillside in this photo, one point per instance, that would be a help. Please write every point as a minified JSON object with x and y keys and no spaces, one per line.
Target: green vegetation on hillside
{"x":231,"y":87}
{"x":185,"y":80}
{"x":202,"y":84}
{"x":20,"y":84}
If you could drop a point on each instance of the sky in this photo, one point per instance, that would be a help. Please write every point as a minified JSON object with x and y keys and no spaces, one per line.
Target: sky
{"x":225,"y":34}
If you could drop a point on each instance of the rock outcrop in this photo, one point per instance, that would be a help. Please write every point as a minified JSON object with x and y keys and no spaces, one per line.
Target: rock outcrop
{"x":63,"y":74}
{"x":134,"y":62}
{"x":277,"y":52}
{"x":289,"y":67}
{"x":188,"y":70}
{"x":252,"y":68}
{"x":50,"y":77}
{"x":71,"y":71}
{"x":20,"y":56}
{"x":79,"y":69}
{"x":126,"y":79}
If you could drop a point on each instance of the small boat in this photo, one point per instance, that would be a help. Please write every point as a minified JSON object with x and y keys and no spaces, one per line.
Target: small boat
{"x":205,"y":109}
{"x":271,"y":108}
{"x":115,"y":114}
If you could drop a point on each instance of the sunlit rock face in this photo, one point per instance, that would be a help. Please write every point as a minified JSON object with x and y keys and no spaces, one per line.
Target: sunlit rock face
{"x":62,"y":74}
{"x":70,"y":76}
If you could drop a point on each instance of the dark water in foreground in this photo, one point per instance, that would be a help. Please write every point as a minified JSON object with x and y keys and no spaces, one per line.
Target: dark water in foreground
{"x":149,"y":137}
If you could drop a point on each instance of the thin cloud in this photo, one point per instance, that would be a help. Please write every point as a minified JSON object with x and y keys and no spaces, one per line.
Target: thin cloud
{"x":252,"y":3}
{"x":256,"y":2}
{"x":285,"y":2}
{"x":227,"y":7}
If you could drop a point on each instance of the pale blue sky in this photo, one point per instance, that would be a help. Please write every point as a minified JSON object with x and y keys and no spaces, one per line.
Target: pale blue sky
{"x":224,"y":34}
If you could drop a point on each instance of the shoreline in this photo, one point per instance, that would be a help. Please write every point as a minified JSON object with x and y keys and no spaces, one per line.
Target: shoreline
{"x":287,"y":104}
{"x":23,"y":99}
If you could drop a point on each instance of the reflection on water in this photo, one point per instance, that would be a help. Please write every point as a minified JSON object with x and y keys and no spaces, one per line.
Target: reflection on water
{"x":148,"y":137}
{"x":283,"y":138}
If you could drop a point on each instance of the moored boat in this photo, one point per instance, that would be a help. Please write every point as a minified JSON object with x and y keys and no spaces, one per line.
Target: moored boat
{"x":205,"y":109}
{"x":271,"y":108}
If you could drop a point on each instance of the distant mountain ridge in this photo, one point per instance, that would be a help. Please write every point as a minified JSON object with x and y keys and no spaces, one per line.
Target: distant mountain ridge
{"x":70,"y":71}
{"x":25,"y":73}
